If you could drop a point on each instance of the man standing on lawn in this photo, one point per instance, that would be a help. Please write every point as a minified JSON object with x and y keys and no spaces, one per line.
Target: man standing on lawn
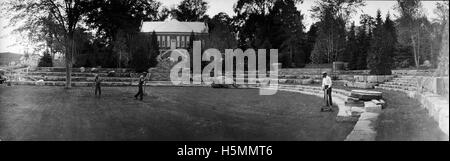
{"x":141,"y":88}
{"x":326,"y":86}
{"x":98,"y":82}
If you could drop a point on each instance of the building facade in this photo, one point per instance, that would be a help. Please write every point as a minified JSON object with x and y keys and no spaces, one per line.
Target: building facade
{"x":174,"y":34}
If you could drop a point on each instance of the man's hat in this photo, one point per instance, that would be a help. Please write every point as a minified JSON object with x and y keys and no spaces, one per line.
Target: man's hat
{"x":324,"y":72}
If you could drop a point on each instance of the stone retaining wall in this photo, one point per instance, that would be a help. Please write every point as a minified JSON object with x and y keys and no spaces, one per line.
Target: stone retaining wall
{"x":410,"y":72}
{"x":436,"y":85}
{"x":437,"y":108}
{"x":102,"y":70}
{"x":304,"y":71}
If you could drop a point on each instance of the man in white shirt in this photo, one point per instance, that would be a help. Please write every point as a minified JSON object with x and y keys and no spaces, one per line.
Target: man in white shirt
{"x":326,"y":86}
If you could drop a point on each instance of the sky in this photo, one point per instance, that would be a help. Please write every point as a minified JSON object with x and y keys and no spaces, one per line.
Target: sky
{"x":9,"y":41}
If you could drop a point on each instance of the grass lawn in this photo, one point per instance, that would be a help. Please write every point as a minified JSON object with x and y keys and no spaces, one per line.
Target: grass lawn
{"x":405,"y":120}
{"x":167,"y":113}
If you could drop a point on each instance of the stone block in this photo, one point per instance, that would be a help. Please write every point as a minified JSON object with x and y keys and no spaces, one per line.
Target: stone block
{"x":361,"y":136}
{"x":352,"y":99}
{"x":443,"y":120}
{"x":366,"y":95}
{"x":370,"y":116}
{"x":317,"y":81}
{"x":372,"y":107}
{"x":307,"y":81}
{"x":442,"y":85}
{"x":354,"y":104}
{"x":383,"y":104}
{"x":376,"y":102}
{"x":357,"y":111}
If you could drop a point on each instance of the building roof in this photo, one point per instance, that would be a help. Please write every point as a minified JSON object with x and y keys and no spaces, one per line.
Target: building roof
{"x":174,"y":26}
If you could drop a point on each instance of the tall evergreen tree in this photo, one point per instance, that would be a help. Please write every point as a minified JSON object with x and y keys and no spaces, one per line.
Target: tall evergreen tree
{"x":311,"y":40}
{"x":376,"y":47}
{"x":382,"y":47}
{"x":351,"y":50}
{"x":390,"y":43}
{"x":290,"y":38}
{"x":154,"y":50}
{"x":46,"y":60}
{"x":363,"y":38}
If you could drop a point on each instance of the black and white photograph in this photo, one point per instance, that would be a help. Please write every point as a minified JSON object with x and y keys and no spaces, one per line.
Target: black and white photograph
{"x":224,"y":70}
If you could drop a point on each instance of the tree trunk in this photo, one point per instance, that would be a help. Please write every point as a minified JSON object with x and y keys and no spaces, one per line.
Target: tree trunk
{"x":415,"y":52}
{"x":69,"y":49}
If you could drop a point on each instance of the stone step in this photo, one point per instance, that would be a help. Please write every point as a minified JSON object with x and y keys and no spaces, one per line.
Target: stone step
{"x":392,"y":89}
{"x":81,"y":79}
{"x":102,"y":70}
{"x":104,"y":84}
{"x":408,"y":88}
{"x":306,"y":76}
{"x":405,"y":82}
{"x":81,"y":74}
{"x":405,"y":79}
{"x":401,"y":84}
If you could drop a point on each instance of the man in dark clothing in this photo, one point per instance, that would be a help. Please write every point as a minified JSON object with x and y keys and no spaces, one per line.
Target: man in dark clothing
{"x":141,"y":88}
{"x":98,"y":82}
{"x":2,"y":79}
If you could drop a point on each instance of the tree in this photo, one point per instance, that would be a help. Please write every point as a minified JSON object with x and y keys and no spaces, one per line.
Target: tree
{"x":411,"y":29}
{"x":333,"y":16}
{"x":46,"y":60}
{"x":375,"y":51}
{"x":67,"y":14}
{"x":351,"y":50}
{"x":442,"y":10}
{"x":108,"y":17}
{"x":330,"y":43}
{"x":190,"y":10}
{"x":287,"y":22}
{"x":141,"y":52}
{"x":389,"y":45}
{"x":221,"y":35}
{"x":339,"y":8}
{"x":383,"y":43}
{"x":163,"y":14}
{"x":311,"y":40}
{"x":363,"y":38}
{"x":274,"y":23}
{"x":154,"y":51}
{"x":120,"y":48}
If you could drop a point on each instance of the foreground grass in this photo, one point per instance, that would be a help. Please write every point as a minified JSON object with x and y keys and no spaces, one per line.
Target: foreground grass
{"x":53,"y":113}
{"x":405,"y":120}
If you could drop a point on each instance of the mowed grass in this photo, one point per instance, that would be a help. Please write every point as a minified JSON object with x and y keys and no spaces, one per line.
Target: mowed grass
{"x":405,"y":120}
{"x":167,"y":113}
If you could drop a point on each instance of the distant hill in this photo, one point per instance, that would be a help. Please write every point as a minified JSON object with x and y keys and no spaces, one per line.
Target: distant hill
{"x":7,"y":57}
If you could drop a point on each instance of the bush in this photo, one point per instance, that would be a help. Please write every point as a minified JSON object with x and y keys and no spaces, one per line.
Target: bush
{"x":46,"y":60}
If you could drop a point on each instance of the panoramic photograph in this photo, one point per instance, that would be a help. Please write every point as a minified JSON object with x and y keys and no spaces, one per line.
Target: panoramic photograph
{"x":224,"y":70}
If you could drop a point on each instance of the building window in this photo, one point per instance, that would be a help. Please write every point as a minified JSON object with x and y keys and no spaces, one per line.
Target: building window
{"x":183,"y":44}
{"x":159,"y":41}
{"x":163,"y":41}
{"x":168,"y":41}
{"x":188,"y":41}
{"x":178,"y":41}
